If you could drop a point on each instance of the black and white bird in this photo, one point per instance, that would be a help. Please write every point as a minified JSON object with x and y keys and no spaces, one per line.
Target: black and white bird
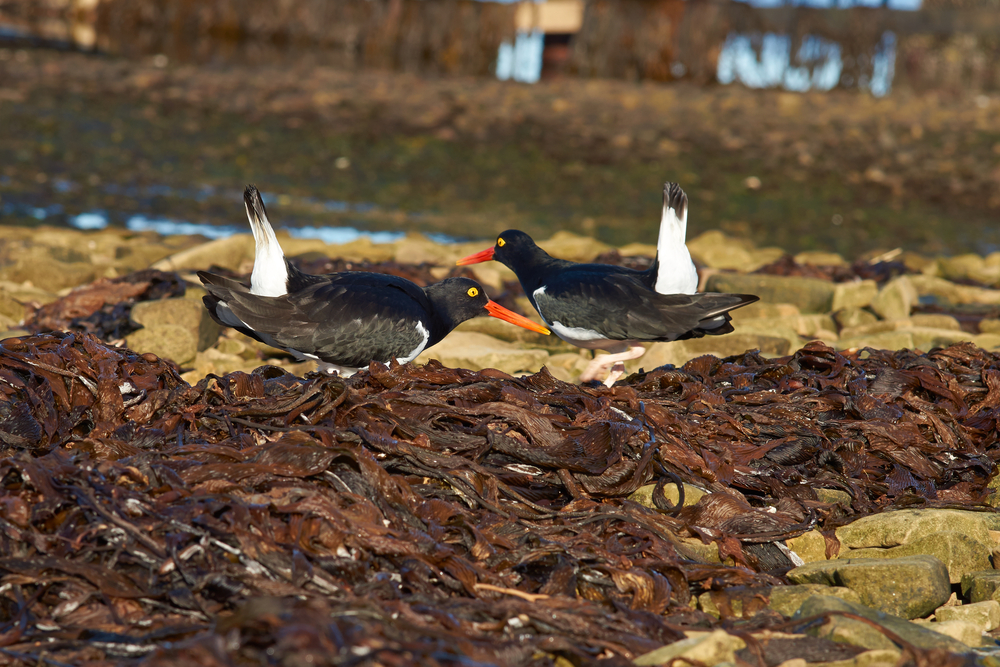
{"x":617,"y":309}
{"x":343,"y":320}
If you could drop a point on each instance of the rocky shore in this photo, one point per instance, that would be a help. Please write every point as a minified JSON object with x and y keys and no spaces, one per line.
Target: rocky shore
{"x":893,"y":301}
{"x":500,"y":512}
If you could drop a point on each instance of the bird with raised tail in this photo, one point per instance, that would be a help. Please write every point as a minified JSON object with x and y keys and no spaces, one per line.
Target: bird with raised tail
{"x":614,"y":308}
{"x":343,"y":320}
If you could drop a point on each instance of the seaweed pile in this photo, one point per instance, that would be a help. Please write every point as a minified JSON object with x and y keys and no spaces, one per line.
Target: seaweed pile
{"x":428,"y":515}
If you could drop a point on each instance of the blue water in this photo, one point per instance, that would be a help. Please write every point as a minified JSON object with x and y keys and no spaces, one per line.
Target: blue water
{"x":100,"y":219}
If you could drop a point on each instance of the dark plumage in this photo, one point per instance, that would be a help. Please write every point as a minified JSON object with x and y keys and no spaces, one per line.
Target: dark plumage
{"x":345,"y":320}
{"x":599,"y":306}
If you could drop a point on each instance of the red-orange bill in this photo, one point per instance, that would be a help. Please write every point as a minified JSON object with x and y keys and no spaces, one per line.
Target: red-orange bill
{"x":498,"y":311}
{"x":476,"y":258}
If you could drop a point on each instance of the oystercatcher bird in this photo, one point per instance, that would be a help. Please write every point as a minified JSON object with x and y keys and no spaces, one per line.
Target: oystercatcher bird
{"x":613,"y":308}
{"x":343,"y":320}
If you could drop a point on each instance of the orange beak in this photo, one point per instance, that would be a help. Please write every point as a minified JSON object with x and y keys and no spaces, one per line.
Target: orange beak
{"x":499,"y":312}
{"x":476,"y":258}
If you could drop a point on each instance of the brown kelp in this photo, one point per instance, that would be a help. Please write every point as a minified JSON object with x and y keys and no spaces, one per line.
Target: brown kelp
{"x":423,"y":514}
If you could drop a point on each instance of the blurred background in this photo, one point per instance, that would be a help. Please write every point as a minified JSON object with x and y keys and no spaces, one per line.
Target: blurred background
{"x":838,"y":125}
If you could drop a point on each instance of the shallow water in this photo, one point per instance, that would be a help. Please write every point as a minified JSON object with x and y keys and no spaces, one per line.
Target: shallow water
{"x":80,"y":161}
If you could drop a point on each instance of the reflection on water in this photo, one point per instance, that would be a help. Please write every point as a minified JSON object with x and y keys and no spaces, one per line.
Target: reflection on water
{"x":522,"y":60}
{"x":766,"y":61}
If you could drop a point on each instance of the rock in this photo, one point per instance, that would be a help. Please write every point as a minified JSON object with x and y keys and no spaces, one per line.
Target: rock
{"x":786,"y":600}
{"x":229,"y":253}
{"x":810,"y":546}
{"x":810,"y":295}
{"x":960,"y":553}
{"x":644,"y":494}
{"x":476,"y":351}
{"x":167,"y":341}
{"x":986,"y":614}
{"x":14,"y":333}
{"x":809,"y":326}
{"x":185,"y":312}
{"x":981,"y":586}
{"x":492,"y":275}
{"x":834,"y":496}
{"x":506,"y":331}
{"x":925,"y":338}
{"x":964,"y":631}
{"x":710,"y":648}
{"x":770,"y":329}
{"x":820,"y":258}
{"x":970,"y":267}
{"x":568,"y":366}
{"x":874,"y":327}
{"x":762,"y":310}
{"x":853,"y":317}
{"x":987,"y":341}
{"x":909,"y":587}
{"x":859,"y":633}
{"x":988,"y":326}
{"x":935,"y":321}
{"x":873,"y":658}
{"x":26,"y":293}
{"x":11,"y":308}
{"x":853,"y":295}
{"x":638,"y":250}
{"x":680,"y":352}
{"x":896,"y":299}
{"x":576,"y":248}
{"x":890,"y":529}
{"x":887,"y":340}
{"x":698,"y":551}
{"x":716,"y":250}
{"x":949,"y":292}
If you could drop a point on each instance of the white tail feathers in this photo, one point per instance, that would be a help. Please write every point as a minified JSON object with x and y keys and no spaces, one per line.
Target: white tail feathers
{"x":676,"y":273}
{"x":270,"y":272}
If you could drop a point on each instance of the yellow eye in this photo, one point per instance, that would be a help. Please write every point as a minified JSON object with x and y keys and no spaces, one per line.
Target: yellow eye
{"x":501,"y":242}
{"x":473,"y":291}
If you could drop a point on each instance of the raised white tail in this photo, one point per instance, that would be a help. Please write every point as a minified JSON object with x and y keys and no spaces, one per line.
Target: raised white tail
{"x":676,"y":273}
{"x":270,"y":272}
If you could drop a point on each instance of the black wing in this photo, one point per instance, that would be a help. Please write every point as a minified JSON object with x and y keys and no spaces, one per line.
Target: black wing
{"x":619,"y":306}
{"x":349,"y":319}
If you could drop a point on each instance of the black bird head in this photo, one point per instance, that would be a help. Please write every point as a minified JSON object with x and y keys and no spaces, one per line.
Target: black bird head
{"x":512,"y":247}
{"x":456,"y":300}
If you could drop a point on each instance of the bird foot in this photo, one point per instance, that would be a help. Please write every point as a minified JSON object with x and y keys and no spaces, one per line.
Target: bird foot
{"x":614,"y":362}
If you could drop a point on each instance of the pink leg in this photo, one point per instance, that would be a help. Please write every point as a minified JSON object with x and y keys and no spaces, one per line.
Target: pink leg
{"x":612,"y":361}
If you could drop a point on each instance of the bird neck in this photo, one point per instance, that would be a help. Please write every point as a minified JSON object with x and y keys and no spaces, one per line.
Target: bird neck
{"x":532,"y":265}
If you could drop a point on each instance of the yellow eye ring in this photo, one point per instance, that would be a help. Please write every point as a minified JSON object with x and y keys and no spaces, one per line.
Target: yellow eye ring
{"x":473,"y":292}
{"x":501,"y":242}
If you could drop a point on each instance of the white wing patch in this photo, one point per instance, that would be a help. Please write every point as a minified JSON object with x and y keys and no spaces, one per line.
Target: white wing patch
{"x":677,"y":273}
{"x":426,"y":335}
{"x":270,"y":273}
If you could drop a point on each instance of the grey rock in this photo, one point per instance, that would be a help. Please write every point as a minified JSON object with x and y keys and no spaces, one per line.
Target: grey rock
{"x":959,"y":552}
{"x":810,"y":295}
{"x":890,"y":529}
{"x":859,"y":633}
{"x":183,"y":312}
{"x":896,"y":299}
{"x":853,"y":317}
{"x":854,"y":295}
{"x":909,"y":587}
{"x":981,"y":586}
{"x":167,"y":341}
{"x":985,"y":615}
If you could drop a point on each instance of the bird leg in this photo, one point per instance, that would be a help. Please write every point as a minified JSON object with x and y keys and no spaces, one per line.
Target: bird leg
{"x":613,"y":361}
{"x":330,"y":369}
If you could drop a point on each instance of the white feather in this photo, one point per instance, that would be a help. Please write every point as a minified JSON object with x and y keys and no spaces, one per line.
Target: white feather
{"x":677,"y":273}
{"x":270,"y":273}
